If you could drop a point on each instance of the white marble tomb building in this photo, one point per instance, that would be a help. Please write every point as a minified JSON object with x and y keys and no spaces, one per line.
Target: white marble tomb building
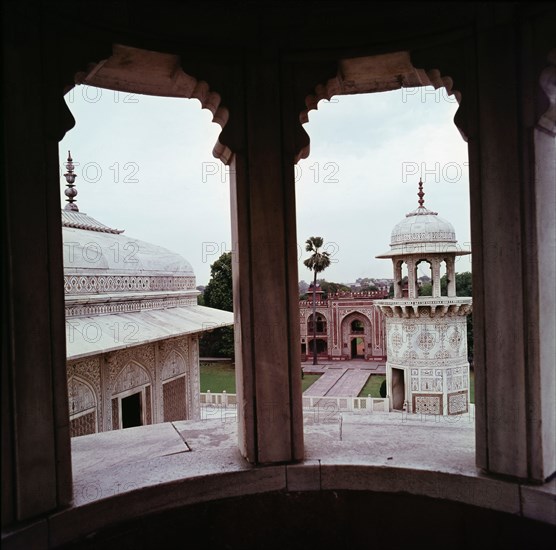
{"x":427,"y":370}
{"x":132,"y":327}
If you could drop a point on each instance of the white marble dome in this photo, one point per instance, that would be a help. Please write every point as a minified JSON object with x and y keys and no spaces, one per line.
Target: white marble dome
{"x":91,"y":248}
{"x":423,"y":232}
{"x":422,"y":226}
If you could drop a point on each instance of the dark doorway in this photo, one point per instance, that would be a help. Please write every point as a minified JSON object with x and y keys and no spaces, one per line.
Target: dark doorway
{"x":131,"y":411}
{"x":398,"y":389}
{"x":357,"y":348}
{"x":321,"y":346}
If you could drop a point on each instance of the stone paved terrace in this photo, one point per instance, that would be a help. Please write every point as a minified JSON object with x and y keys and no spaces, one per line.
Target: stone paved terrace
{"x":341,"y":378}
{"x":195,"y":461}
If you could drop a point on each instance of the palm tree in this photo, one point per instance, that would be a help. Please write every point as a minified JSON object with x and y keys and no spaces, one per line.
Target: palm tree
{"x":317,"y":263}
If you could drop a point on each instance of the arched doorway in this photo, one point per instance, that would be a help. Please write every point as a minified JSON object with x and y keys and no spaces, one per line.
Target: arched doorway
{"x":356,"y":330}
{"x":357,"y":348}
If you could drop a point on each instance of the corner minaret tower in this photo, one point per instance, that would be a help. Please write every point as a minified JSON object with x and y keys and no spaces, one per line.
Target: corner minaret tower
{"x":427,"y":370}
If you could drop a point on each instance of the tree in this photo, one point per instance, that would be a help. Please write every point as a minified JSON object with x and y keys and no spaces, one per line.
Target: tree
{"x":331,"y":288}
{"x":317,"y":263}
{"x":219,"y":294}
{"x":425,"y":289}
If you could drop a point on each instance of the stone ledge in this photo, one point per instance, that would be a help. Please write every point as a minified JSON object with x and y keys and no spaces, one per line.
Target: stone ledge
{"x":195,"y":462}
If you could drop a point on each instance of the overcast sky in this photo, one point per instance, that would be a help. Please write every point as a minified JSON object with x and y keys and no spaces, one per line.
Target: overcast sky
{"x":145,"y":165}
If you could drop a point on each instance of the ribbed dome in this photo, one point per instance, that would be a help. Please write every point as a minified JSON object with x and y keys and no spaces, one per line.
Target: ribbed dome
{"x":423,"y":232}
{"x":99,"y":259}
{"x":422,"y":226}
{"x":91,"y":252}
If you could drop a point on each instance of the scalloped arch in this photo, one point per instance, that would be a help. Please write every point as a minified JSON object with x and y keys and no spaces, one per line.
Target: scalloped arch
{"x":372,"y":74}
{"x":136,"y":70}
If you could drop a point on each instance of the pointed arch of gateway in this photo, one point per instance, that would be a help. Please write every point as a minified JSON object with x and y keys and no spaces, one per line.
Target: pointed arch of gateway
{"x":357,"y":335}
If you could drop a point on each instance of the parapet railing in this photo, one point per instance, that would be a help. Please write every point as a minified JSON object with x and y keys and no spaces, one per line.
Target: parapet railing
{"x":327,"y":403}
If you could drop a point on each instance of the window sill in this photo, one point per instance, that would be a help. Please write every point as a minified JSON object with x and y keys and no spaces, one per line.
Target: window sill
{"x":125,"y":474}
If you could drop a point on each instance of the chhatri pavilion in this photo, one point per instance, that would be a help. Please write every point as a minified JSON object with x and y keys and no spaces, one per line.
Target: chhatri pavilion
{"x":427,"y":370}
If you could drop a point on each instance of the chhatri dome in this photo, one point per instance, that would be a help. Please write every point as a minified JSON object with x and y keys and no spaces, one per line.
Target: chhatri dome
{"x":422,"y":231}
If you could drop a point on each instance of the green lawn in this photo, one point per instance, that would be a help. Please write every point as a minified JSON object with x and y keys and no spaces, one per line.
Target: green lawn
{"x":309,"y":380}
{"x":372,"y":386}
{"x":219,"y":377}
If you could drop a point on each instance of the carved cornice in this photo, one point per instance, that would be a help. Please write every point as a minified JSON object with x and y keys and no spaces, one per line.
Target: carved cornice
{"x":104,"y":308}
{"x":426,"y":307}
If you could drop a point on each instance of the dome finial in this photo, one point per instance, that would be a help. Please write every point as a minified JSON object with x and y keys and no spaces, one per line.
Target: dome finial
{"x":71,"y":191}
{"x":421,"y":194}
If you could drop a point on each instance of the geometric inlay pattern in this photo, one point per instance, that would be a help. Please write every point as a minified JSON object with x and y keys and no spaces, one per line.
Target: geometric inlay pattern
{"x":148,"y":408}
{"x":457,"y":402}
{"x":397,"y":340}
{"x":115,"y":414}
{"x":93,"y":284}
{"x":426,"y":341}
{"x":83,"y":425}
{"x":427,"y":404}
{"x":173,"y":395}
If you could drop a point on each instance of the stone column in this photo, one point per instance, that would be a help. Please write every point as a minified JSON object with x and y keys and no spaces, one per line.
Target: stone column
{"x":35,"y":419}
{"x":266,"y":304}
{"x":512,"y":182}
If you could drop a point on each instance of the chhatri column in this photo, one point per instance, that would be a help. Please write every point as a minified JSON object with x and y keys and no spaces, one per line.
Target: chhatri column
{"x":412,"y":287}
{"x":451,"y":276}
{"x":397,"y":278}
{"x":435,"y":268}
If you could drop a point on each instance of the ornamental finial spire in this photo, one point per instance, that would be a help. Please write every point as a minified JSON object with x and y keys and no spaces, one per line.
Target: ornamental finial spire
{"x":71,"y":191}
{"x":421,"y":194}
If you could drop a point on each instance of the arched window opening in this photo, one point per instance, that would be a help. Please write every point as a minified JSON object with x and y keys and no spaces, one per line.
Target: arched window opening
{"x":417,"y":230}
{"x":320,"y":324}
{"x":425,"y":278}
{"x":444,"y":279}
{"x":138,"y":257}
{"x":322,"y":347}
